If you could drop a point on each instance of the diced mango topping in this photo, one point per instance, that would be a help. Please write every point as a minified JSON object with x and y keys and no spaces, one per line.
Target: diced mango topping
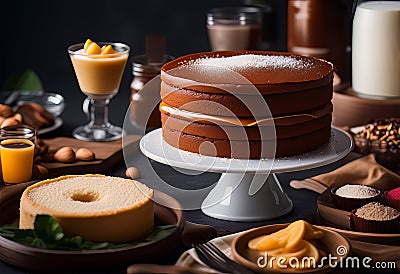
{"x":290,"y":242}
{"x":92,"y":48}
{"x":107,"y":50}
{"x":87,"y":44}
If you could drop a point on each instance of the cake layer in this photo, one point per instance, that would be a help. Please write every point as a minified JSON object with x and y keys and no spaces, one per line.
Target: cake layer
{"x":246,"y":105}
{"x":219,"y":130}
{"x":247,"y":149}
{"x":97,"y":208}
{"x":269,"y":72}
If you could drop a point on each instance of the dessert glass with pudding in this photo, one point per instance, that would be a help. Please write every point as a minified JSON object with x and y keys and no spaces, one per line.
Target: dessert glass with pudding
{"x":99,"y":68}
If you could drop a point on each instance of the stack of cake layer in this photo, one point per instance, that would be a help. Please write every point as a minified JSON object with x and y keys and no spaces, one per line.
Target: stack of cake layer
{"x":246,"y":104}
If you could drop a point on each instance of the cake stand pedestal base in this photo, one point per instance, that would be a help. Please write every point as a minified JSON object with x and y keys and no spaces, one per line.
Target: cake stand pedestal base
{"x":261,"y":198}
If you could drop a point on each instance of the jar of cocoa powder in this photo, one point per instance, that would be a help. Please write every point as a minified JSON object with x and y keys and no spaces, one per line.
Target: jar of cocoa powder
{"x":322,"y":29}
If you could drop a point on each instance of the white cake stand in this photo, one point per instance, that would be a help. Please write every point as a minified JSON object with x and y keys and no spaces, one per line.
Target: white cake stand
{"x":248,"y":190}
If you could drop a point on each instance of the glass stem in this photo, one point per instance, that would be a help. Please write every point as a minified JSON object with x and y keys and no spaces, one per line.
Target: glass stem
{"x":99,"y":113}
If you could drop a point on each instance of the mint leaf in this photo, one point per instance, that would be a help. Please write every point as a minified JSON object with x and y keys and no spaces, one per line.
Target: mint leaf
{"x":27,"y":80}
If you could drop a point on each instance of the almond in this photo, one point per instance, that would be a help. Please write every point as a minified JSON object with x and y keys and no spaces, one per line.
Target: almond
{"x":133,"y":172}
{"x":6,"y":111}
{"x":65,"y":155}
{"x":39,"y":172}
{"x":18,"y":116}
{"x":10,"y":122}
{"x":85,"y":154}
{"x":40,"y":142}
{"x":47,"y":157}
{"x":42,"y":149}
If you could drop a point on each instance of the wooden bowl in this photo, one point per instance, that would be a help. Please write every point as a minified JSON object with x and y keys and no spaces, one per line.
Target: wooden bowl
{"x":350,"y":110}
{"x":168,"y":212}
{"x":332,"y":243}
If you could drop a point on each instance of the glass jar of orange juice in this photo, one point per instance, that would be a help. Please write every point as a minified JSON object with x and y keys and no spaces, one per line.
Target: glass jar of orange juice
{"x":17,"y":148}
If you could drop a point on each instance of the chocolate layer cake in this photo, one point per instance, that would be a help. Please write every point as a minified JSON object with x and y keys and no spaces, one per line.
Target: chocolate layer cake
{"x":246,"y":104}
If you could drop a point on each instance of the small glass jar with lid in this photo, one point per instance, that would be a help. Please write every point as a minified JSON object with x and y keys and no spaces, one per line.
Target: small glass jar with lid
{"x":142,"y":102}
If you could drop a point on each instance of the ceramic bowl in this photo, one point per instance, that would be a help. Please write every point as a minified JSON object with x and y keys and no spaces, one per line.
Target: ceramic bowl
{"x":332,"y":243}
{"x":360,"y":224}
{"x":349,"y":204}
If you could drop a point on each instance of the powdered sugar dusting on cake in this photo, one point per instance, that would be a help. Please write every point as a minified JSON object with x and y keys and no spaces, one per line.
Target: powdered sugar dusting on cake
{"x":249,"y":68}
{"x":254,"y":61}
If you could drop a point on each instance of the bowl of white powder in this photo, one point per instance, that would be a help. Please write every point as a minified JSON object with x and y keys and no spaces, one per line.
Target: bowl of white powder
{"x":352,"y":196}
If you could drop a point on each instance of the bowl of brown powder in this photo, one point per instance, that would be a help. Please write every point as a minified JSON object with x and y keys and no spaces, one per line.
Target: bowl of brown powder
{"x":375,"y":218}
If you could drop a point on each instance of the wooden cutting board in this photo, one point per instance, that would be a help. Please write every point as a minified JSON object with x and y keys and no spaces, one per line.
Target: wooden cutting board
{"x":108,"y":154}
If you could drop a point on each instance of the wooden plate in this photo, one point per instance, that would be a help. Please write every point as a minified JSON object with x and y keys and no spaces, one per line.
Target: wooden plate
{"x":339,"y":220}
{"x":332,"y":243}
{"x":37,"y":259}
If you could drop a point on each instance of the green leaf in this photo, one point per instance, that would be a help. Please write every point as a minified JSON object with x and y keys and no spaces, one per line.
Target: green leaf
{"x":160,"y":232}
{"x":47,"y":228}
{"x":48,"y":234}
{"x":27,"y":80}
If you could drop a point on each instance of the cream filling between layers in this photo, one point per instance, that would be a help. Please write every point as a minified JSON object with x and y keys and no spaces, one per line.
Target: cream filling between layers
{"x":247,"y":122}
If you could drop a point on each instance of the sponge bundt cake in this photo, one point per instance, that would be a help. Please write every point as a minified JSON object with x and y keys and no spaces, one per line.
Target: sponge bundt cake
{"x":220,"y":98}
{"x":98,"y":208}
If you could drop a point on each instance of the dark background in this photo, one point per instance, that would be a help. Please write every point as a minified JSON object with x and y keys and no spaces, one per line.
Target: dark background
{"x":36,"y":34}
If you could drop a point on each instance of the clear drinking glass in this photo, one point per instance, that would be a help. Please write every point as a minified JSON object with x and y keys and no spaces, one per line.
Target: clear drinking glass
{"x":234,"y":28}
{"x":99,"y":77}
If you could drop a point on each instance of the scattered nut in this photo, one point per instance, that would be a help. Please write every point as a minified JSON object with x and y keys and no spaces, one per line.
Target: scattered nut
{"x":133,"y":172}
{"x":48,"y":157}
{"x":40,"y":142}
{"x":85,"y":154}
{"x":18,"y":116}
{"x":6,"y":111}
{"x":65,"y":155}
{"x":10,"y":122}
{"x":42,"y":149}
{"x":39,"y":172}
{"x":380,"y":134}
